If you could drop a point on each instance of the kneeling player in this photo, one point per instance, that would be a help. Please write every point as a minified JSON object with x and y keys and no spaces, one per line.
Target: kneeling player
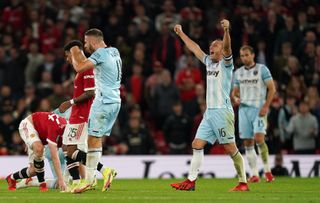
{"x":51,"y":183}
{"x":37,"y":130}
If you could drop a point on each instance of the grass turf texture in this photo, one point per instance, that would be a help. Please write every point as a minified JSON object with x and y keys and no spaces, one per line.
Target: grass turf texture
{"x":207,"y":190}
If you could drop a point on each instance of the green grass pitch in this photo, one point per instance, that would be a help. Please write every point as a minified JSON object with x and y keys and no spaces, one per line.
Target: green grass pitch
{"x":153,"y":191}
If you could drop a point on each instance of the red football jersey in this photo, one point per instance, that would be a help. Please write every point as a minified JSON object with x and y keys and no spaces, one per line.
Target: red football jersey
{"x":49,"y":126}
{"x":83,"y":82}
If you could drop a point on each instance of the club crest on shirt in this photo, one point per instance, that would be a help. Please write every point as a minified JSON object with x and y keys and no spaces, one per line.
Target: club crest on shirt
{"x":255,"y":72}
{"x":32,"y":135}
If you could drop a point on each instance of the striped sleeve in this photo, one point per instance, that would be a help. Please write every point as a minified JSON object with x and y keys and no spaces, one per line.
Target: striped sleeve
{"x":265,"y":73}
{"x":95,"y":58}
{"x":205,"y":60}
{"x":227,"y":61}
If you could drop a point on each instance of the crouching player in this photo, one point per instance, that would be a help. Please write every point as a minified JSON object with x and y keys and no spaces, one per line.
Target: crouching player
{"x":37,"y":130}
{"x":51,"y":183}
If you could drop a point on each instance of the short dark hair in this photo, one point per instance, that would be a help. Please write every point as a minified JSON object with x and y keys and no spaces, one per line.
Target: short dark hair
{"x":73,"y":43}
{"x":247,"y":47}
{"x":94,"y":32}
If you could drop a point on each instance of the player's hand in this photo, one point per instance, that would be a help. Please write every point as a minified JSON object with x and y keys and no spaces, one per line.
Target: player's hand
{"x":64,"y":106}
{"x":61,"y":185}
{"x":225,"y":24}
{"x":263,"y":111}
{"x":178,"y":29}
{"x":236,"y":101}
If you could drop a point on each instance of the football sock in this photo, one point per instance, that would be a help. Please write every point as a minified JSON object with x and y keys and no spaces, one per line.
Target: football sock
{"x":80,"y":156}
{"x":23,"y":173}
{"x":100,"y":167}
{"x":196,"y":162}
{"x":264,"y":153}
{"x":39,"y":168}
{"x":252,"y":159}
{"x":239,"y":166}
{"x":73,"y":167}
{"x":93,"y":157}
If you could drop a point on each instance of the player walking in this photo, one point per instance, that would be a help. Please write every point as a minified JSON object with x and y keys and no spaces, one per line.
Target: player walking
{"x":106,"y":104}
{"x":218,"y":120}
{"x":252,"y":82}
{"x":76,"y":132}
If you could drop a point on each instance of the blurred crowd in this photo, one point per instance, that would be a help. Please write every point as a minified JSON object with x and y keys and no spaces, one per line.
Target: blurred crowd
{"x":163,"y":84}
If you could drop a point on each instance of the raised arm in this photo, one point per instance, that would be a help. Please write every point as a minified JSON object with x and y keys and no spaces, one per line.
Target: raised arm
{"x":79,"y":60}
{"x":226,"y":41}
{"x":192,"y":46}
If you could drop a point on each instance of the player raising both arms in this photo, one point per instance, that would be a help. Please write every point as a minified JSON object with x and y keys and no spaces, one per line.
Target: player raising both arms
{"x":252,"y":81}
{"x":218,"y":120}
{"x":37,"y":130}
{"x":106,"y":104}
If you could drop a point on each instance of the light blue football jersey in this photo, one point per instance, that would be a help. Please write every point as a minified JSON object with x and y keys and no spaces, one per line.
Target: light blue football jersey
{"x":107,"y":74}
{"x":219,"y":82}
{"x":65,"y":114}
{"x":252,"y":84}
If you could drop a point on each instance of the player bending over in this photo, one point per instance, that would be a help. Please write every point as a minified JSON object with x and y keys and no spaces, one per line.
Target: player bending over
{"x":51,"y":183}
{"x":37,"y":130}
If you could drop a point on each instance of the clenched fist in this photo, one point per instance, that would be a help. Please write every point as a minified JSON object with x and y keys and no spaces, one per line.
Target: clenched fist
{"x":225,"y":24}
{"x":177,"y":29}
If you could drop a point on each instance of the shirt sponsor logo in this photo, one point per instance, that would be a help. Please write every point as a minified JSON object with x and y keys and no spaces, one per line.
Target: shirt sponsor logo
{"x":246,"y":81}
{"x":214,"y":73}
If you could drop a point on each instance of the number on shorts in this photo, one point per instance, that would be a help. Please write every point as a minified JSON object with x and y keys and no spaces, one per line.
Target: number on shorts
{"x":72,"y":132}
{"x":222,"y":133}
{"x":260,"y":123}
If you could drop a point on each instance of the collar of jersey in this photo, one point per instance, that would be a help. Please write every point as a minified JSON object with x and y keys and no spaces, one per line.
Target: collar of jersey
{"x":245,"y":67}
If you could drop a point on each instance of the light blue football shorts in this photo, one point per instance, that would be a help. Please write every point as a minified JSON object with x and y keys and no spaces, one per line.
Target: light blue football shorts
{"x":250,"y":122}
{"x":217,"y":124}
{"x":102,"y":117}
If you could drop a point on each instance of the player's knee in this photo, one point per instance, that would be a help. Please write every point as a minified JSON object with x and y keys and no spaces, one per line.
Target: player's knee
{"x":230,"y":148}
{"x":248,"y":142}
{"x":71,"y":150}
{"x":197,"y":144}
{"x":38,"y":149}
{"x":32,"y":171}
{"x":259,"y":138}
{"x":94,"y":142}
